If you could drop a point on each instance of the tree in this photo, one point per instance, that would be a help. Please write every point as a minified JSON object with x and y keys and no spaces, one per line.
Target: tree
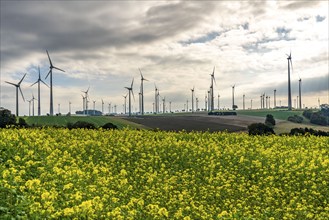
{"x":6,"y":118}
{"x":270,"y":121}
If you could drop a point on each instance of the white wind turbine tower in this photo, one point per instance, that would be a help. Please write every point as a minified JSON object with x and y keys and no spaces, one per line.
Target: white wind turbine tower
{"x":33,"y":104}
{"x":212,"y":89}
{"x":51,"y":67}
{"x":130,"y":91}
{"x":233,"y":105}
{"x":142,"y":92}
{"x":300,"y":92}
{"x":289,"y":85}
{"x":39,"y":99}
{"x":86,"y":100}
{"x":18,"y":86}
{"x":125,"y":105}
{"x":192,"y":90}
{"x":102,"y":106}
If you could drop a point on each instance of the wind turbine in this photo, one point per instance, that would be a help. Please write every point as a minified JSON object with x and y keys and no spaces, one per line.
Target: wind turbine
{"x":86,"y":99}
{"x":233,"y":105}
{"x":212,"y":89}
{"x":33,"y":104}
{"x":142,"y":91}
{"x":51,"y":67}
{"x":18,"y":86}
{"x":102,"y":106}
{"x":243,"y":101}
{"x":94,"y":107}
{"x":289,"y":86}
{"x":156,"y":98}
{"x":192,"y":90}
{"x":274,"y":98}
{"x":164,"y":105}
{"x":29,"y":101}
{"x":130,"y":91}
{"x":125,"y":97}
{"x":300,"y":93}
{"x":38,"y":81}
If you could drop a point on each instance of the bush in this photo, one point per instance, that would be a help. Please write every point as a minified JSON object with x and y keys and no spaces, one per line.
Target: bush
{"x":81,"y":124}
{"x":109,"y":126}
{"x":6,"y":118}
{"x":295,"y":119}
{"x":222,"y":113}
{"x":260,"y":129}
{"x":270,"y":121}
{"x":319,"y":119}
{"x":307,"y":114}
{"x":22,"y":123}
{"x":309,"y":131}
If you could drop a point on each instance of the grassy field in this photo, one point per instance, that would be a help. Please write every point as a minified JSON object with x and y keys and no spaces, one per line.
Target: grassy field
{"x":63,"y":120}
{"x":277,"y":114}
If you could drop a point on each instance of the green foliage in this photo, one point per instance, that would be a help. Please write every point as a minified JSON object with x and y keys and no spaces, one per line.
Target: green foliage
{"x":6,"y":118}
{"x":320,"y":118}
{"x":109,"y":125}
{"x":81,"y":124}
{"x":308,"y":131}
{"x":260,"y":129}
{"x":270,"y":121}
{"x":22,"y":123}
{"x":295,"y":119}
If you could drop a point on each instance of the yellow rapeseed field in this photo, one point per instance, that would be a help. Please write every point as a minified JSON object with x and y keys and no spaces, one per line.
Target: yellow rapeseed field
{"x":131,"y":174}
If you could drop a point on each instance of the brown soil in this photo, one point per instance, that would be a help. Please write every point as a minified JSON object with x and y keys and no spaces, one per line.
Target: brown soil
{"x":197,"y":122}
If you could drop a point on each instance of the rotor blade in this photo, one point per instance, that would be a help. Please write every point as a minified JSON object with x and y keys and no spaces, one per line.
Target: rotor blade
{"x":88,"y":89}
{"x":44,"y":83}
{"x":132,"y":83}
{"x":58,"y":69}
{"x":132,"y":92}
{"x":39,"y":72}
{"x":141,"y":73}
{"x":51,"y":64}
{"x":21,"y":93}
{"x":21,"y":79}
{"x":11,"y":83}
{"x":34,"y":83}
{"x":48,"y":74}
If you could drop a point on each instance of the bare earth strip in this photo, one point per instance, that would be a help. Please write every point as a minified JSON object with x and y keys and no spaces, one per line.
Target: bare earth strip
{"x":197,"y":122}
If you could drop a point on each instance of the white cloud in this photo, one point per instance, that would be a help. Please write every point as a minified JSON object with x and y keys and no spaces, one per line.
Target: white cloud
{"x":175,"y":43}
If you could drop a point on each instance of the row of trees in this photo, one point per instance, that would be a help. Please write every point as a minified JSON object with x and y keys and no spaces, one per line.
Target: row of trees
{"x":9,"y":120}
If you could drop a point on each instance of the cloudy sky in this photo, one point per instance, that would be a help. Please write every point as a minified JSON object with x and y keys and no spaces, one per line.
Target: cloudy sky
{"x":176,"y":44}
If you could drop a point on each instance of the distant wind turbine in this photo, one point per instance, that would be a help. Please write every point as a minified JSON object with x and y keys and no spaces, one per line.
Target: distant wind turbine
{"x":300,"y":93}
{"x":289,"y":86}
{"x":212,"y":90}
{"x":51,"y":67}
{"x":125,"y":97}
{"x":130,"y":91}
{"x":142,"y":92}
{"x":192,"y":90}
{"x":18,"y":86}
{"x":86,"y":100}
{"x":33,"y":104}
{"x":233,"y":105}
{"x":102,"y":106}
{"x":39,"y":99}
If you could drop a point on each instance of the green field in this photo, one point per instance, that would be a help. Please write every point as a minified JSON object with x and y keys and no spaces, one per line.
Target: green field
{"x":277,"y":114}
{"x":63,"y":120}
